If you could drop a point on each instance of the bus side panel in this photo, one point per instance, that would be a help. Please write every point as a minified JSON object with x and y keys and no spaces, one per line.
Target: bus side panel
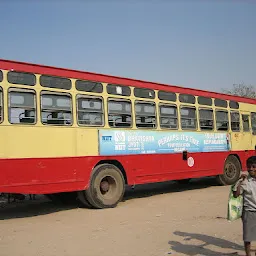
{"x":166,"y":167}
{"x":73,"y":173}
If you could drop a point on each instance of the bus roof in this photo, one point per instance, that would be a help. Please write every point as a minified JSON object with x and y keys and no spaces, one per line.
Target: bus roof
{"x":77,"y":74}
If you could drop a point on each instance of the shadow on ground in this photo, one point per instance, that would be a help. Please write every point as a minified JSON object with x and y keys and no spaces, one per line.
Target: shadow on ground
{"x":42,"y":206}
{"x":204,"y":240}
{"x":148,"y":190}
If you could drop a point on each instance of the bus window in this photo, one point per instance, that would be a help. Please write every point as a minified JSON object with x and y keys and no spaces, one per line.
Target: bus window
{"x":222,"y":120}
{"x":119,"y":113}
{"x":246,"y":125}
{"x":55,"y":82}
{"x":118,"y":90}
{"x":89,"y":111}
{"x":204,"y":101}
{"x":144,"y":93}
{"x":14,"y":77}
{"x":168,"y":96}
{"x":89,"y":86}
{"x":253,"y":122}
{"x":187,"y":98}
{"x":1,"y":76}
{"x":235,"y":121}
{"x":22,"y":107}
{"x":1,"y":105}
{"x":234,"y":104}
{"x":168,"y":117}
{"x":145,"y":114}
{"x":56,"y":109}
{"x":188,"y":118}
{"x":206,"y":119}
{"x":220,"y":103}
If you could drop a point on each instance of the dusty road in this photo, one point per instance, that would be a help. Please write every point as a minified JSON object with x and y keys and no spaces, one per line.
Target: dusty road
{"x":153,"y":220}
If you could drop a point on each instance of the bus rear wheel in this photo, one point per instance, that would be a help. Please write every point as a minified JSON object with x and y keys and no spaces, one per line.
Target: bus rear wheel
{"x":232,"y":171}
{"x":107,"y":186}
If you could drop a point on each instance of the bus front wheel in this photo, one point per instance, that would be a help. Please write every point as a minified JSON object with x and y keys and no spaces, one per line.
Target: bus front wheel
{"x":232,"y":171}
{"x":106,"y":188}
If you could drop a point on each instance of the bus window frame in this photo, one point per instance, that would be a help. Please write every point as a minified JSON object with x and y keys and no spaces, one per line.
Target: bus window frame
{"x":45,"y":92}
{"x":85,"y":96}
{"x":23,"y":90}
{"x":230,"y":117}
{"x":249,"y":125}
{"x":160,"y":116}
{"x":213,"y":119}
{"x":253,"y":131}
{"x":196,"y":119}
{"x":222,"y":110}
{"x":156,"y":117}
{"x":2,"y":104}
{"x":118,"y":100}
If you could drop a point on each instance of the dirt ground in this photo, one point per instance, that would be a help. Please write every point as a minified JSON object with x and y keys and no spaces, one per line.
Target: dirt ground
{"x":153,"y":220}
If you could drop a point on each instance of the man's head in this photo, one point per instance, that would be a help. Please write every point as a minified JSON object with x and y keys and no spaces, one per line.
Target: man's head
{"x":251,"y":166}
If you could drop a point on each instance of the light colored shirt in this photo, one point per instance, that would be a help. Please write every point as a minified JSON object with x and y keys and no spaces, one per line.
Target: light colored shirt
{"x":248,"y":190}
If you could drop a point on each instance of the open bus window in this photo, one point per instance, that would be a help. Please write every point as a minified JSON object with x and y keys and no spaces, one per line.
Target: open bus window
{"x":253,"y":122}
{"x":1,"y":105}
{"x":145,"y":114}
{"x":188,"y":118}
{"x":89,"y":111}
{"x":22,"y":107}
{"x":118,"y":90}
{"x":246,"y":125}
{"x":56,"y":109}
{"x":235,"y":121}
{"x":206,"y":119}
{"x":168,"y":117}
{"x":222,"y":120}
{"x":119,"y":113}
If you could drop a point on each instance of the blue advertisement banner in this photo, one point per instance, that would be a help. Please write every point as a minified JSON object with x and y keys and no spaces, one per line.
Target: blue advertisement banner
{"x":120,"y":142}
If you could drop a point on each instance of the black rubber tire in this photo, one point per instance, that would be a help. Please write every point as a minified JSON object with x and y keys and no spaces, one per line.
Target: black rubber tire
{"x":231,"y":173}
{"x":63,"y":198}
{"x":82,"y":198}
{"x":114,"y":177}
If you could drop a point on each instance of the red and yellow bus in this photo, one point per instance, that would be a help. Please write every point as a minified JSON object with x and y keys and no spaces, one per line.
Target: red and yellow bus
{"x":71,"y":132}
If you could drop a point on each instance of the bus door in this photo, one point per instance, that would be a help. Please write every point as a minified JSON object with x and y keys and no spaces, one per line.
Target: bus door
{"x":241,"y":139}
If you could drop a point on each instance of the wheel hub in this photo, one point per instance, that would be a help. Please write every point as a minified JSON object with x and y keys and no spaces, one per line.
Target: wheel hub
{"x":104,"y":186}
{"x":230,"y":171}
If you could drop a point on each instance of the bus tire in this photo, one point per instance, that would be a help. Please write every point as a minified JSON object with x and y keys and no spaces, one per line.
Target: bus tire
{"x":232,"y":171}
{"x":107,"y":186}
{"x":82,"y":198}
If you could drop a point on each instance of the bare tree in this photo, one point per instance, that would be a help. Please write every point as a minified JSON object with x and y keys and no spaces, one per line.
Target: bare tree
{"x":242,"y":90}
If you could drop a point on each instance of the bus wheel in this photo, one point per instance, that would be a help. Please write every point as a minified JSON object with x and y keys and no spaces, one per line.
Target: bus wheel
{"x":82,"y":198}
{"x":106,"y":188}
{"x":232,"y":171}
